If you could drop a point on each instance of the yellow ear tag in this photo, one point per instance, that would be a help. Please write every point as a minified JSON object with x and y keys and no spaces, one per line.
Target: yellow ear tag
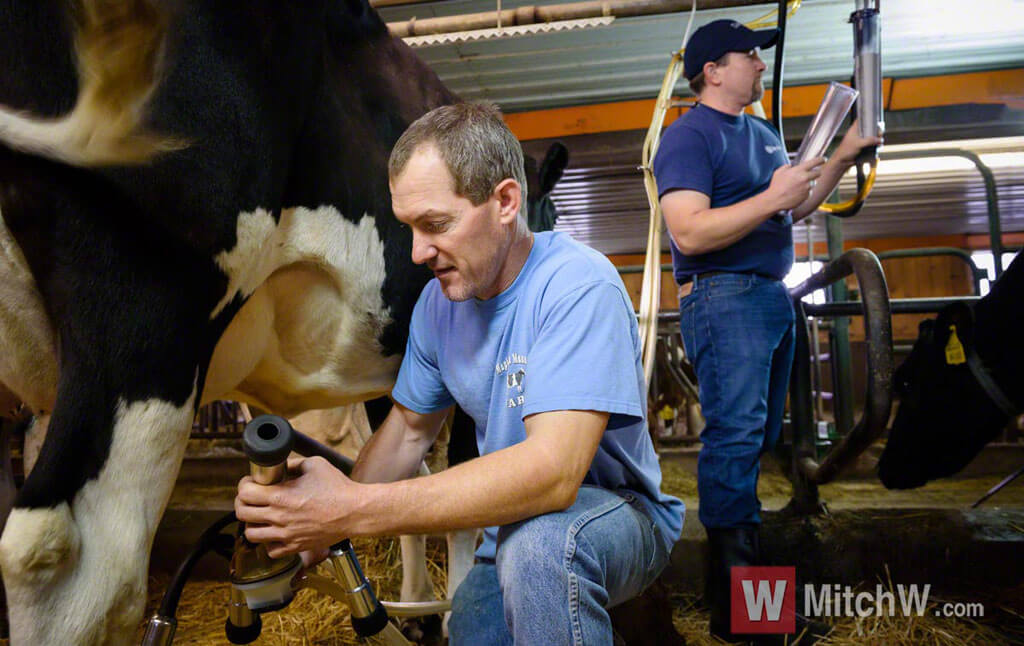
{"x":954,"y":349}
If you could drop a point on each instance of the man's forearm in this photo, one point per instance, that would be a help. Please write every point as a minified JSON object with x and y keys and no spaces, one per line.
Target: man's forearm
{"x":393,"y":452}
{"x":831,"y":173}
{"x":713,"y":229}
{"x":495,"y":489}
{"x":538,"y":475}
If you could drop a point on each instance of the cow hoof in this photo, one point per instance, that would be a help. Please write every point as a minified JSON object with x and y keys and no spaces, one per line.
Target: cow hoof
{"x":38,"y":544}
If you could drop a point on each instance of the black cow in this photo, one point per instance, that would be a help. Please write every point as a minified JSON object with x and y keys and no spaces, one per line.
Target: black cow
{"x":957,"y":393}
{"x":195,"y":206}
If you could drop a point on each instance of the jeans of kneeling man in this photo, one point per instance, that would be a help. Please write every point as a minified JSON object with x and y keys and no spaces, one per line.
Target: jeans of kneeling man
{"x":556,"y":575}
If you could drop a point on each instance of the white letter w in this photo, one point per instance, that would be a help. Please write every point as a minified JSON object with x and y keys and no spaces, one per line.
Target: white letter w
{"x":765,"y":597}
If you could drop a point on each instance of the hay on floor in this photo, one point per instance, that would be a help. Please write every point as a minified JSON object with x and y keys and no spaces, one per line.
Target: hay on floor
{"x":312,"y":619}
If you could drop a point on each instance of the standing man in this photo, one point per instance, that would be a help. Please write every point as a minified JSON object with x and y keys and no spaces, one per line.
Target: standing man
{"x":534,"y":336}
{"x":730,"y":197}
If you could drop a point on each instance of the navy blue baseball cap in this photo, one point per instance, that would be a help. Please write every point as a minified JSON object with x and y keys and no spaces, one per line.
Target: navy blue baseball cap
{"x":717,"y":38}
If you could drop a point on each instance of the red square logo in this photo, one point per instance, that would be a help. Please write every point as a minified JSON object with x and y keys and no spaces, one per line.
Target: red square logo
{"x":762,"y":600}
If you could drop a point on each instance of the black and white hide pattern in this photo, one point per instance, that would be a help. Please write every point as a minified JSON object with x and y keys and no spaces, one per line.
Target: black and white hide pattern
{"x":194,"y":206}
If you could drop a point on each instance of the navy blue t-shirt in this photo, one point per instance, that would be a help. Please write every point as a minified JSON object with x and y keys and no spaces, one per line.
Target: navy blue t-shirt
{"x":728,"y":158}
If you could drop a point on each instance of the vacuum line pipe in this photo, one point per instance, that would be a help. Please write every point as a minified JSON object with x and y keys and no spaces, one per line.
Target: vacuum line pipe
{"x":532,"y":14}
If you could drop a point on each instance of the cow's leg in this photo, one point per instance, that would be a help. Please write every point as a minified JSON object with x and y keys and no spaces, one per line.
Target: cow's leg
{"x":75,"y":549}
{"x":75,"y":570}
{"x":416,"y":582}
{"x":28,"y":363}
{"x":131,"y":310}
{"x":462,"y":447}
{"x":461,"y":548}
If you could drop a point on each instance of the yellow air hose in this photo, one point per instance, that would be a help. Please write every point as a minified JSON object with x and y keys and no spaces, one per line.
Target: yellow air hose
{"x":650,"y":290}
{"x":856,"y":200}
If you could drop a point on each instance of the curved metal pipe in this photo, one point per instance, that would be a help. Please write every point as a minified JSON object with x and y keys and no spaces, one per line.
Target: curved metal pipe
{"x":531,"y":14}
{"x":333,"y":589}
{"x":878,"y":325}
{"x":991,"y":194}
{"x":977,"y":274}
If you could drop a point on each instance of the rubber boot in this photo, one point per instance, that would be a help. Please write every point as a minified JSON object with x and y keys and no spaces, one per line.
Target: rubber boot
{"x":740,"y":546}
{"x":807,"y":631}
{"x":728,"y":548}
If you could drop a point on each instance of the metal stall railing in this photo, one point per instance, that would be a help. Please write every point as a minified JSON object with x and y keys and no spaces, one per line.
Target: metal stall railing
{"x":839,"y":336}
{"x":977,"y":273}
{"x":991,"y":194}
{"x":219,"y":420}
{"x":807,"y":472}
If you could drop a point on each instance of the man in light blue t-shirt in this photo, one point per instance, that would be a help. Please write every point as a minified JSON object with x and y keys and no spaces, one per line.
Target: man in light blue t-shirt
{"x":534,"y":336}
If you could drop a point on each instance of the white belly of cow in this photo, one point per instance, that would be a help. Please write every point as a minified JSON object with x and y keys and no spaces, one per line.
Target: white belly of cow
{"x":307,"y":336}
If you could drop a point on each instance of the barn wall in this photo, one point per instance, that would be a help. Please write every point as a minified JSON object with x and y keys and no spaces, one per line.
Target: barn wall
{"x":906,"y":277}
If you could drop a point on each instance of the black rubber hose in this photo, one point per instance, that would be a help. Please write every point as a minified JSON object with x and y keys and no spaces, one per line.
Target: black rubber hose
{"x":209,"y":540}
{"x":777,"y":72}
{"x":308,"y":447}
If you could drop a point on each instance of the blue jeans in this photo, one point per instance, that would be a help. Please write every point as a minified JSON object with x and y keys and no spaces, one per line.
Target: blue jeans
{"x":556,"y":574}
{"x":738,"y":333}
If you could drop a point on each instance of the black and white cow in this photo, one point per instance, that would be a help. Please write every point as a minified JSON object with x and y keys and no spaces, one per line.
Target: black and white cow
{"x":195,"y":206}
{"x":959,"y":387}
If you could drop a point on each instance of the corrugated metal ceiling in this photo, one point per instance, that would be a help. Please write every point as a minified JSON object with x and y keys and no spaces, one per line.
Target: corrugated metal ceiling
{"x":604,"y":204}
{"x":601,"y":199}
{"x":627,"y":59}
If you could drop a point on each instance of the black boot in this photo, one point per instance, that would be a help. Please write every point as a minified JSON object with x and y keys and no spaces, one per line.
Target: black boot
{"x":740,"y":546}
{"x":728,"y":547}
{"x":806,"y":631}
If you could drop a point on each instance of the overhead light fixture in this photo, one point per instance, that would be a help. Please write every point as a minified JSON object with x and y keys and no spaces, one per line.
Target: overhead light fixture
{"x":455,"y":37}
{"x":912,"y":166}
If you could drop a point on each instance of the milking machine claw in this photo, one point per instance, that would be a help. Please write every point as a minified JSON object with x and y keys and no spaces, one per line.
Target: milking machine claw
{"x":260,"y":583}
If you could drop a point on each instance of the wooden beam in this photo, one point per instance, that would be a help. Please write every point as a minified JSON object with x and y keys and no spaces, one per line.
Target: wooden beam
{"x":999,"y":86}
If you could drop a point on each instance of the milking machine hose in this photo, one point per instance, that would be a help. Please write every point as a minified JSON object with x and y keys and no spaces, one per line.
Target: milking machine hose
{"x":161,"y":626}
{"x":211,"y":540}
{"x":777,"y":82}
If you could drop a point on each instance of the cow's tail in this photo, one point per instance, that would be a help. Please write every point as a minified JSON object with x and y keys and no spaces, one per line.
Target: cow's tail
{"x":119,"y":46}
